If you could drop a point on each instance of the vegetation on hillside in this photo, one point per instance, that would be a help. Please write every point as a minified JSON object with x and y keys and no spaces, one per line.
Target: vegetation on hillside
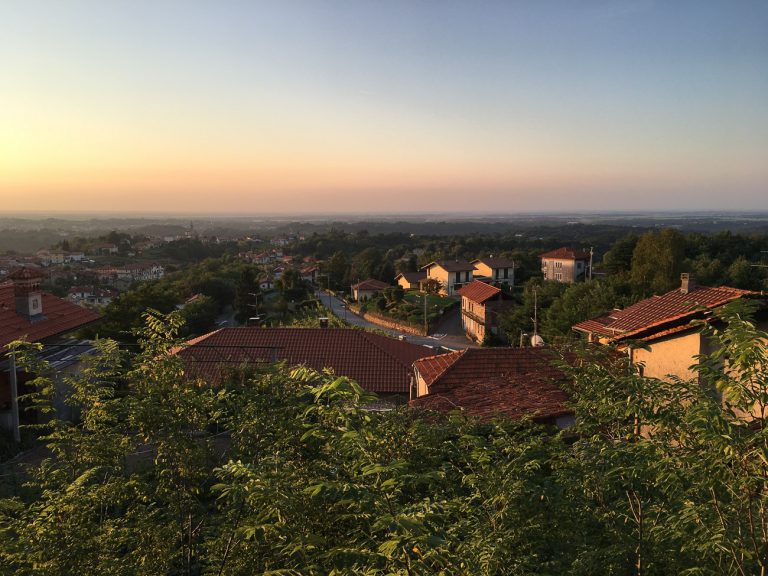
{"x":283,"y":471}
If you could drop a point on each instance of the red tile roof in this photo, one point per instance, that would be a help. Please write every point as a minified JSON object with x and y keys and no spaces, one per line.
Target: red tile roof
{"x":479,"y":291}
{"x":370,"y":284}
{"x":59,"y":316}
{"x":377,"y":363}
{"x":658,"y":311}
{"x":566,"y":254}
{"x":485,"y":382}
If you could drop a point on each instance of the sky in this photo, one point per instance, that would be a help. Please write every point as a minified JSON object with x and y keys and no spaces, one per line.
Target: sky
{"x":374,"y":106}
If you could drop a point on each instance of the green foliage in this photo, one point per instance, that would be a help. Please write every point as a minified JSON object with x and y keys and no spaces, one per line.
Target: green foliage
{"x":657,"y":261}
{"x":280,"y":471}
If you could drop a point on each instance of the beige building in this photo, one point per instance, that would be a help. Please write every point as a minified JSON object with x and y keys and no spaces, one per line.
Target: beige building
{"x":367,"y":289}
{"x":452,"y":274}
{"x":481,"y":305}
{"x":565,"y":265}
{"x":665,"y":325}
{"x":495,"y":270}
{"x":410,"y":280}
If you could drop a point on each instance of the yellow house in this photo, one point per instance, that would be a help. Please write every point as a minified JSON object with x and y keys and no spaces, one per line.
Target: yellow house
{"x":452,"y":274}
{"x":410,"y":280}
{"x":665,"y":325}
{"x":495,"y":270}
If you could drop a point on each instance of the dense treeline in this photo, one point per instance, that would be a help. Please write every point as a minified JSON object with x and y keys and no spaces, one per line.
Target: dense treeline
{"x":286,"y":473}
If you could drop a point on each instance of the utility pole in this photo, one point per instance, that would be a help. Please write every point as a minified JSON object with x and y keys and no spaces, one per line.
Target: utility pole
{"x":15,"y":399}
{"x":426,"y":324}
{"x":591,"y":253}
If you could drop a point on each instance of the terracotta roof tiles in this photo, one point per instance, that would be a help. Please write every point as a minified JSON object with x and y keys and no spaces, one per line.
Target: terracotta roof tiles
{"x":377,"y":363}
{"x":479,"y":291}
{"x":59,"y":316}
{"x":370,"y":284}
{"x":485,"y":382}
{"x":566,"y":254}
{"x":660,"y":310}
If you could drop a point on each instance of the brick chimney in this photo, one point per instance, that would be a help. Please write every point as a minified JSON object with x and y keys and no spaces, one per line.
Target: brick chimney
{"x":27,"y":292}
{"x":687,"y":283}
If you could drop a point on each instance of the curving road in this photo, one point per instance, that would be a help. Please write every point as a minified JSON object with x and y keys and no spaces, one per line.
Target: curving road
{"x":337,"y":307}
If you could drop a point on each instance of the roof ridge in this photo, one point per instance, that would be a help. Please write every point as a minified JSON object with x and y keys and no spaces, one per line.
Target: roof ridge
{"x":460,"y":354}
{"x":367,"y":335}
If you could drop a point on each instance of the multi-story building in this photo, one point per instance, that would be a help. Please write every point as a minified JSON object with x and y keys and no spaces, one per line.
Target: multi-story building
{"x":565,"y":265}
{"x":451,"y":274}
{"x":481,"y":305}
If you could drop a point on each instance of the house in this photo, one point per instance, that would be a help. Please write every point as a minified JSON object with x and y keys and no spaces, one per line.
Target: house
{"x":367,"y":289}
{"x":565,"y":265}
{"x":91,"y":295}
{"x":104,"y":248}
{"x":495,"y":270}
{"x":452,"y":274}
{"x":309,"y":273}
{"x":28,"y":313}
{"x":481,"y":305}
{"x":411,"y":280}
{"x":487,"y":382}
{"x":131,"y":273}
{"x":378,"y":363}
{"x":665,"y":325}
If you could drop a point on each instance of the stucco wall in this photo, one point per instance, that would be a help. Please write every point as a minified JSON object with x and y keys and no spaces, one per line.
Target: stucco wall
{"x":672,"y":356}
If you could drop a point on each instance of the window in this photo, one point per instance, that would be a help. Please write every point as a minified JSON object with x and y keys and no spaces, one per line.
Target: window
{"x":558,"y":264}
{"x":458,"y":276}
{"x":506,"y":272}
{"x":559,"y":276}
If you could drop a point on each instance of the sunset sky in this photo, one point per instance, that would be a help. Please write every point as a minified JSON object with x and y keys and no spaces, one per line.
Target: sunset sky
{"x":281,"y":106}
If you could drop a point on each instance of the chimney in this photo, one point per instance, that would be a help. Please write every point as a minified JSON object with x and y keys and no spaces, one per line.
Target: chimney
{"x":27,"y":292}
{"x":687,"y":283}
{"x":323,"y":322}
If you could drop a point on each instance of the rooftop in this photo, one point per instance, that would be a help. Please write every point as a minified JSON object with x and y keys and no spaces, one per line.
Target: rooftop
{"x":377,"y":363}
{"x":479,"y":291}
{"x":492,"y":262}
{"x":657,"y":311}
{"x":566,"y":254}
{"x":59,"y":316}
{"x":451,"y":265}
{"x":484,"y":382}
{"x":370,"y":284}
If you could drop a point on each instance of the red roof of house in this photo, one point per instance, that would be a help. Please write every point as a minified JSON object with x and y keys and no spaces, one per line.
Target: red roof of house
{"x":566,"y":254}
{"x":377,"y":363}
{"x":59,"y":316}
{"x":657,"y":311}
{"x":370,"y":284}
{"x":486,"y":382}
{"x":479,"y":291}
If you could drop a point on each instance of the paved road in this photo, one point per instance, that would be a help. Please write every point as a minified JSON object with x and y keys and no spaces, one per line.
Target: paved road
{"x":452,"y":342}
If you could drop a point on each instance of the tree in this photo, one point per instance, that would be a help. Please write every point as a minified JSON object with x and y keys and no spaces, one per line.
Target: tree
{"x":619,"y":258}
{"x":657,"y":261}
{"x":579,"y":302}
{"x":432,"y":286}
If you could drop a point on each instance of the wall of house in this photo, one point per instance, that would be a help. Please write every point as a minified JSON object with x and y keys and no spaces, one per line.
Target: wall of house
{"x":673,"y":356}
{"x":569,"y":270}
{"x":407,"y":285}
{"x":473,"y":319}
